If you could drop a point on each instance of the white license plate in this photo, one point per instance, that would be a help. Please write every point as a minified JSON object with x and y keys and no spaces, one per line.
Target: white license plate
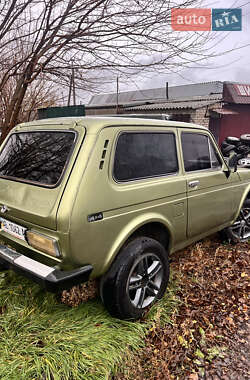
{"x":13,"y":229}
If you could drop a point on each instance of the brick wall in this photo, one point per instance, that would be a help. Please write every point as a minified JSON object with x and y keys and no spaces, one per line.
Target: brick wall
{"x":201,"y":115}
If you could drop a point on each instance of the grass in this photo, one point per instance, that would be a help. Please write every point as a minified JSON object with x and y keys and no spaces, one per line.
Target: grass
{"x":40,"y":338}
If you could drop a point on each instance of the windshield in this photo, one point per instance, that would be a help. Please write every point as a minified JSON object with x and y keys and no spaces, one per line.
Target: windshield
{"x":36,"y":156}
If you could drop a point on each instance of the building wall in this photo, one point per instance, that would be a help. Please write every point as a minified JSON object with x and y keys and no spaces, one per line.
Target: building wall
{"x":179,"y":114}
{"x":214,"y":127}
{"x":202,"y":117}
{"x":236,"y":125}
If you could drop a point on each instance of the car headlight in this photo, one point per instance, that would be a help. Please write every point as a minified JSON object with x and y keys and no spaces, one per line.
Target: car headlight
{"x":43,"y":243}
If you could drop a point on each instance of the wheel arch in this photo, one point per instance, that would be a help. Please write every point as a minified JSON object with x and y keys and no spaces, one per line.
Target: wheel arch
{"x":245,"y":196}
{"x":238,"y":231}
{"x":154,"y":226}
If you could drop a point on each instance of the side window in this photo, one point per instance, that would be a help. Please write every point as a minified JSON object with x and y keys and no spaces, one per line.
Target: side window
{"x":215,"y":158}
{"x":198,"y":152}
{"x":143,"y":155}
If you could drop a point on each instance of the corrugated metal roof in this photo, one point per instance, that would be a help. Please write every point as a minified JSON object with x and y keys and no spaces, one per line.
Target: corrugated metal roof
{"x":175,"y":92}
{"x":173,"y":105}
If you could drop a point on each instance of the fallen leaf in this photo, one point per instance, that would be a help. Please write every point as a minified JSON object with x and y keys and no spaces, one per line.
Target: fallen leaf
{"x":193,"y":376}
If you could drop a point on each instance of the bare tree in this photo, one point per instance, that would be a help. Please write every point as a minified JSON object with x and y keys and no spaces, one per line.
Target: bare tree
{"x":39,"y":94}
{"x":11,"y":12}
{"x":93,"y":36}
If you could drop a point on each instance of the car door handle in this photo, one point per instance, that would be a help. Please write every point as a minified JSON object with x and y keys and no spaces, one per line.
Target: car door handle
{"x":193,"y":184}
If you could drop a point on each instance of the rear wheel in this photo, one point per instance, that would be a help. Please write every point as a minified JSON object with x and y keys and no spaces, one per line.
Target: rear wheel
{"x":138,"y":277}
{"x":240,"y":230}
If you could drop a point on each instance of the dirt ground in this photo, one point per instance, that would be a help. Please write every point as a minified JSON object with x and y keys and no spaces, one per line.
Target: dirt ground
{"x":235,"y":365}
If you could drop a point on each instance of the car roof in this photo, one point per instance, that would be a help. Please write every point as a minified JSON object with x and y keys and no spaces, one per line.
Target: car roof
{"x":94,"y":124}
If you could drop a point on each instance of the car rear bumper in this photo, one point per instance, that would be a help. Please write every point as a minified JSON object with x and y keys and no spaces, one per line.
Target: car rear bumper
{"x":50,"y":278}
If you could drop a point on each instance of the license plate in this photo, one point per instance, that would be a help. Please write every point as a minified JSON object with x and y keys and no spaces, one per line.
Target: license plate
{"x":13,"y":229}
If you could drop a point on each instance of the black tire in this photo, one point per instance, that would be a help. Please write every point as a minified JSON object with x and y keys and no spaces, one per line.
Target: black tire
{"x":245,"y":139}
{"x":233,"y":140}
{"x":137,"y":278}
{"x":227,"y":149}
{"x":240,"y":230}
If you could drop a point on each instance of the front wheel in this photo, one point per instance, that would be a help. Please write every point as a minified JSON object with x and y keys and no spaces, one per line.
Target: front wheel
{"x":240,"y":230}
{"x":138,"y":277}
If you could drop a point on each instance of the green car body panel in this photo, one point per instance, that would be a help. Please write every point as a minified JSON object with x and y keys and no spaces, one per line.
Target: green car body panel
{"x":91,"y":215}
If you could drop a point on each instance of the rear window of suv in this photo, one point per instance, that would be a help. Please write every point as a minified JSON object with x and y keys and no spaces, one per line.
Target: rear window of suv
{"x":38,"y":157}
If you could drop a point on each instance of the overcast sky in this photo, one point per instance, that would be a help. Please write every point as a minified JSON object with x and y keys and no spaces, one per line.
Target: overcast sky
{"x":231,"y":66}
{"x":234,"y":66}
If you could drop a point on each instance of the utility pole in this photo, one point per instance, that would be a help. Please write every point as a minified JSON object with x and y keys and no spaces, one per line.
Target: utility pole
{"x":70,"y":90}
{"x":167,"y":95}
{"x":117,"y":95}
{"x":72,"y":87}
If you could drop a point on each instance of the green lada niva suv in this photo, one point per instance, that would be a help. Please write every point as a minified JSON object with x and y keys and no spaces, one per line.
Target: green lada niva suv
{"x":112,"y":198}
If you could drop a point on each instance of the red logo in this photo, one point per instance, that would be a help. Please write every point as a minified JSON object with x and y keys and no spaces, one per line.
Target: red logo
{"x":194,"y":19}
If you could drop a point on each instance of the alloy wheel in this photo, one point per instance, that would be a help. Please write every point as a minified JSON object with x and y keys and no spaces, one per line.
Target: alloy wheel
{"x":144,"y":281}
{"x":240,"y":230}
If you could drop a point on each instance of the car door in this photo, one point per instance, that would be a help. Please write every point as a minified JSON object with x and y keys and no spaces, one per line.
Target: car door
{"x":145,"y":183}
{"x":209,"y":189}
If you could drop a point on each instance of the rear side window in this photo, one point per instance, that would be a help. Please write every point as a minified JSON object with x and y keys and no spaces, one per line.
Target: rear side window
{"x":143,"y":155}
{"x":36,"y":156}
{"x":198,"y":152}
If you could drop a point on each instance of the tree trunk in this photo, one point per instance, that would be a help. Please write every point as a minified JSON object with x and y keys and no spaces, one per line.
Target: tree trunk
{"x":15,"y":106}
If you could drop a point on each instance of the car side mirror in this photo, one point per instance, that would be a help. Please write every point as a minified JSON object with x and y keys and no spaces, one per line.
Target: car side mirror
{"x":233,"y":161}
